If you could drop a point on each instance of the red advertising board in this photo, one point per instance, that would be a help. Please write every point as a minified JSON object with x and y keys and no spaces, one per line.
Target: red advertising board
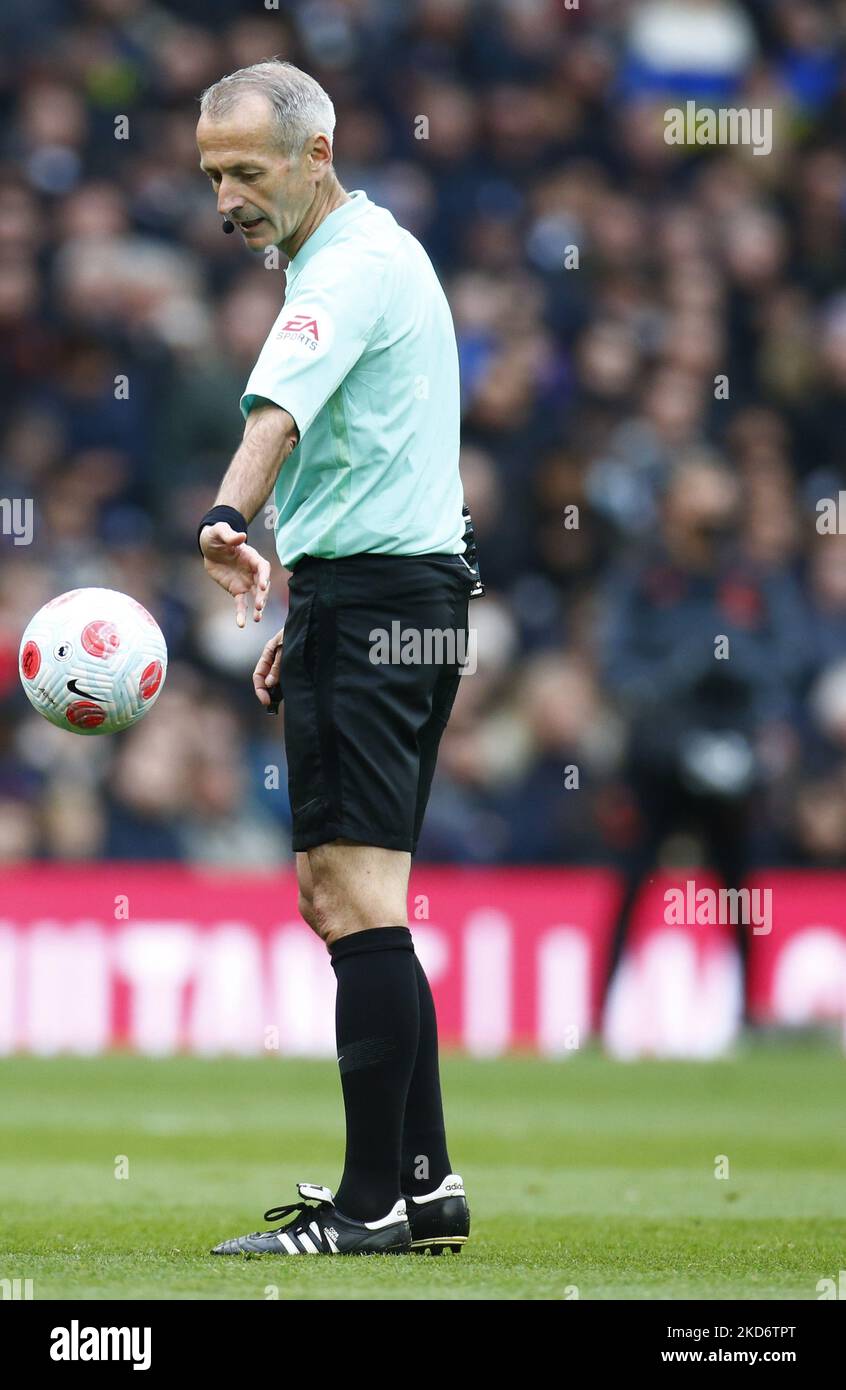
{"x":163,"y":959}
{"x":797,"y":973}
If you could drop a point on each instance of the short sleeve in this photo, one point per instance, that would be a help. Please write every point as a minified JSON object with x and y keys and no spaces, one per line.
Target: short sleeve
{"x":319,"y":336}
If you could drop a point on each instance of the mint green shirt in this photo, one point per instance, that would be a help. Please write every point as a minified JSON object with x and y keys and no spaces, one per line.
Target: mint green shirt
{"x":363,"y":356}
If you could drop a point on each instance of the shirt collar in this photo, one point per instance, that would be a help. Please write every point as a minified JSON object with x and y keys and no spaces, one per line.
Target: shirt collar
{"x":329,"y":227}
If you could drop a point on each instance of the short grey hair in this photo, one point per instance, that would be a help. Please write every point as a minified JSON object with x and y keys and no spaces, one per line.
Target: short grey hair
{"x":300,"y":106}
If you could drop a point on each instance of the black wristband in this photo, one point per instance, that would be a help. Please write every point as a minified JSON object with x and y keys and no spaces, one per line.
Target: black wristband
{"x":230,"y":514}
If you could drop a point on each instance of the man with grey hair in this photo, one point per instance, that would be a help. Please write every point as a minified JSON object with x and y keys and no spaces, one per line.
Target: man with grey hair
{"x":352,"y":417}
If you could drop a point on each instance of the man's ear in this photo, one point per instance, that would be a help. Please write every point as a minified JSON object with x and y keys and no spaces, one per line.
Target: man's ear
{"x":320,"y":154}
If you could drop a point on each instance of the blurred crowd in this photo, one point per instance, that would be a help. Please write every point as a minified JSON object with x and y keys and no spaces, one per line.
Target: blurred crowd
{"x":653,"y":352}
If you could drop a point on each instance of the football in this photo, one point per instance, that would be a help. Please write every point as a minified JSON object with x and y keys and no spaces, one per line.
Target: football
{"x":93,"y":661}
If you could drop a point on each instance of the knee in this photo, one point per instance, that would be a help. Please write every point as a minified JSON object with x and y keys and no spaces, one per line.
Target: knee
{"x":308,"y":912}
{"x":326,"y":917}
{"x":317,"y":910}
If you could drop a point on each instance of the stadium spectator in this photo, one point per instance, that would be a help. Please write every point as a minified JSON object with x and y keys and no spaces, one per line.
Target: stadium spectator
{"x":604,"y":284}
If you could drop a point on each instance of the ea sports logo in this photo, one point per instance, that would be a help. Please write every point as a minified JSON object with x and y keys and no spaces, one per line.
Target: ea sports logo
{"x":305,"y":333}
{"x":301,"y":323}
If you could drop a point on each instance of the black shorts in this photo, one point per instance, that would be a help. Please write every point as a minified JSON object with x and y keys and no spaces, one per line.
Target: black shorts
{"x":362,"y":725}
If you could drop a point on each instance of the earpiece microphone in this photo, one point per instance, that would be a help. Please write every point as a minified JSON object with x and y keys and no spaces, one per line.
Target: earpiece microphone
{"x":228,"y":226}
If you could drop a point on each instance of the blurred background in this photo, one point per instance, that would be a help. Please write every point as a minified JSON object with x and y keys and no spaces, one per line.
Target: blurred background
{"x":653,"y":355}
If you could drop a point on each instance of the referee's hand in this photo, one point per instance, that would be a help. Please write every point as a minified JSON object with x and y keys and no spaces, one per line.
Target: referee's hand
{"x":266,"y":674}
{"x":236,"y":567}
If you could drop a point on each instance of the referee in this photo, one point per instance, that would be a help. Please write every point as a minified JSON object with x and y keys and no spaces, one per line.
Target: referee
{"x":352,"y":416}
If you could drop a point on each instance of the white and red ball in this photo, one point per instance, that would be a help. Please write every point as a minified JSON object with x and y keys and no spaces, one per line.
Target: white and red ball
{"x":93,"y":661}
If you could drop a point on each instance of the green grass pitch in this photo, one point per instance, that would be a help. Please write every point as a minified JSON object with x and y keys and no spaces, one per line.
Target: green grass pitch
{"x":583,"y":1174}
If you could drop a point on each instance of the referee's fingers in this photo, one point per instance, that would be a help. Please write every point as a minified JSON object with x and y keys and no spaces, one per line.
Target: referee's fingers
{"x":221,"y":533}
{"x":267,"y":668}
{"x":273,"y":678}
{"x":262,"y":587}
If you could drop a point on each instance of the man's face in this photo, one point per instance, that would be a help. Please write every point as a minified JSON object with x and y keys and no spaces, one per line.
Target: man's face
{"x":265,"y":193}
{"x":702,"y":504}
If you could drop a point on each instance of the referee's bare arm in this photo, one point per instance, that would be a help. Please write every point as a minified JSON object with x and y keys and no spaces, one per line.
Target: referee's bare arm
{"x":269,"y":437}
{"x":270,"y":434}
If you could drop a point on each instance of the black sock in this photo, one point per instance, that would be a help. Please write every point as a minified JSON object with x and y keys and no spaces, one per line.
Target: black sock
{"x":425,"y":1161}
{"x":377,"y":1024}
